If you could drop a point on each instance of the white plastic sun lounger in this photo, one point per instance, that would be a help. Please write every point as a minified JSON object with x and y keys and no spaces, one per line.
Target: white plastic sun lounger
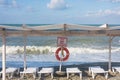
{"x":97,"y":70}
{"x":10,"y":71}
{"x":73,"y":70}
{"x":30,"y":70}
{"x":46,"y":70}
{"x":0,"y":73}
{"x":93,"y":67}
{"x":116,"y":69}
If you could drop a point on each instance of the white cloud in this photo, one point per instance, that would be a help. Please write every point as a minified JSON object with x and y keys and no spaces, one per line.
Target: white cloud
{"x":57,"y":4}
{"x":9,"y":4}
{"x":30,"y":9}
{"x":14,"y":4}
{"x":113,"y":1}
{"x":104,"y":12}
{"x":1,"y":2}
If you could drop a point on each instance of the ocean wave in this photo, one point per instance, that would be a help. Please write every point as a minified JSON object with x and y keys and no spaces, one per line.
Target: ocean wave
{"x":79,"y":54}
{"x":49,"y":50}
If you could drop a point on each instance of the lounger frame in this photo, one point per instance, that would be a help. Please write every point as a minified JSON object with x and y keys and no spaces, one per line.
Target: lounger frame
{"x":116,"y":69}
{"x":10,"y":71}
{"x":73,"y":70}
{"x":46,"y":70}
{"x":98,"y":70}
{"x":30,"y":70}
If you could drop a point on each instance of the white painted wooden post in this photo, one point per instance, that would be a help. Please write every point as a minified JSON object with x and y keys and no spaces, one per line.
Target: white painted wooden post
{"x":109,"y":64}
{"x":24,"y":43}
{"x":60,"y":67}
{"x":24,"y":53}
{"x":4,"y":57}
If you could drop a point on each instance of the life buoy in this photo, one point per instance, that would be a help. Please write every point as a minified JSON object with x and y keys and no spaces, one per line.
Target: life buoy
{"x":65,"y":57}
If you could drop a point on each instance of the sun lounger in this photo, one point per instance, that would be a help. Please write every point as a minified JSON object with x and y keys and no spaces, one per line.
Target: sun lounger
{"x":97,"y":70}
{"x":93,"y":67}
{"x":10,"y":71}
{"x":30,"y":70}
{"x":46,"y":70}
{"x":73,"y":70}
{"x":116,"y":69}
{"x":0,"y":73}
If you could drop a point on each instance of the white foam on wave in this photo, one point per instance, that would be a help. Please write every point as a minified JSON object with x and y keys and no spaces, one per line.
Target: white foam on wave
{"x":72,"y":50}
{"x":76,"y":54}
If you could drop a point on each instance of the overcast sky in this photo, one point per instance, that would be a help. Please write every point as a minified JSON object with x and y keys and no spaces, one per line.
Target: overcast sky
{"x":59,"y":11}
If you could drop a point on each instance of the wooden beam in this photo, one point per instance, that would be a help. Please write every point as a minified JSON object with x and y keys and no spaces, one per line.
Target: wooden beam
{"x":63,"y":33}
{"x":113,"y":33}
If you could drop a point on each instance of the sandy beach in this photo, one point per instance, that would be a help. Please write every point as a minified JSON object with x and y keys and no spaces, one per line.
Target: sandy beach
{"x":85,"y":74}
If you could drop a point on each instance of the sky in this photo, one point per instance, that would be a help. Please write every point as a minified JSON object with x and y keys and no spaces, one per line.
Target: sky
{"x":59,"y":11}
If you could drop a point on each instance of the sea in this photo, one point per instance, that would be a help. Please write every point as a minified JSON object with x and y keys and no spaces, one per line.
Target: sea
{"x":40,"y":50}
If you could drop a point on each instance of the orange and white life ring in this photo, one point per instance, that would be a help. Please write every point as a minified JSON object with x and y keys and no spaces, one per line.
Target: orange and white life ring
{"x":65,"y":57}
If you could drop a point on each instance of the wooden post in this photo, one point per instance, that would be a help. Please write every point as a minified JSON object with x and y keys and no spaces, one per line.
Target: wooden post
{"x":4,"y":57}
{"x":110,"y":43}
{"x":60,"y":68}
{"x":24,"y":41}
{"x":24,"y":53}
{"x":64,"y":26}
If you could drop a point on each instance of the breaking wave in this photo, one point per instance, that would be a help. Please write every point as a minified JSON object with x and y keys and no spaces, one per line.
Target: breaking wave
{"x":49,"y":50}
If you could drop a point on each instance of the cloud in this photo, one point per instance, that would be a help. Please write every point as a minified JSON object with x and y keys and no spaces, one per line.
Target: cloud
{"x":104,"y":12}
{"x":9,"y":4}
{"x":113,"y":1}
{"x":1,"y":2}
{"x":14,"y":4}
{"x":29,"y":9}
{"x":57,"y":4}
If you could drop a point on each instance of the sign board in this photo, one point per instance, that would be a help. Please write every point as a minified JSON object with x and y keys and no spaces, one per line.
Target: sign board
{"x":62,"y":41}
